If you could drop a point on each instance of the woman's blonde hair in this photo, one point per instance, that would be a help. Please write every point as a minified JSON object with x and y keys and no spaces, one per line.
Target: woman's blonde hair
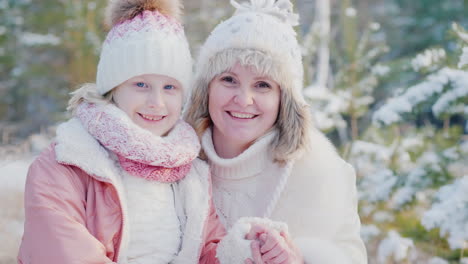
{"x":294,"y":117}
{"x":88,"y":93}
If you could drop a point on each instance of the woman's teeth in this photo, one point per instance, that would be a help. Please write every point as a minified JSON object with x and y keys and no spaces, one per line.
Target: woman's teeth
{"x":242,"y":115}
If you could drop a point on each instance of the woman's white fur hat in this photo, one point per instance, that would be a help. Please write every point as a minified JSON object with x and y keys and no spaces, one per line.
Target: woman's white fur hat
{"x":263,"y":25}
{"x":146,"y":37}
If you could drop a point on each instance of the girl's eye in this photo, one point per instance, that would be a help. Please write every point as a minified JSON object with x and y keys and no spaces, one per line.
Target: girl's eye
{"x":263,"y":85}
{"x":141,"y":84}
{"x":169,"y":87}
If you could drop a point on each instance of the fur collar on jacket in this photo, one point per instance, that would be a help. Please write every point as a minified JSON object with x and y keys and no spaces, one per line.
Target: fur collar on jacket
{"x":75,"y":146}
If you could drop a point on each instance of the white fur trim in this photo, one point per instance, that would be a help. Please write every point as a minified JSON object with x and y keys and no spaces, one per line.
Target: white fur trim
{"x":321,"y":251}
{"x":194,"y":192}
{"x":75,"y":146}
{"x":234,"y":248}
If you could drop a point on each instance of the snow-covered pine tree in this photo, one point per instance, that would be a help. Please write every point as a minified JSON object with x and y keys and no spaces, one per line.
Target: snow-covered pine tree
{"x":414,"y":158}
{"x":345,"y":98}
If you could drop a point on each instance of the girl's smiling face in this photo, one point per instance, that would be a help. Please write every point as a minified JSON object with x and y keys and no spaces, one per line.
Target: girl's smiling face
{"x":152,"y":101}
{"x":243,"y":104}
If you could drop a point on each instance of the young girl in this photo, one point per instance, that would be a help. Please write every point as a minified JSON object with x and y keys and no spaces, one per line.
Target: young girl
{"x":121,"y":183}
{"x":266,"y":158}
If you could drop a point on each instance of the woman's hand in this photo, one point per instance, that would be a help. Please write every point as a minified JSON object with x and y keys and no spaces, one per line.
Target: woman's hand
{"x":256,"y":255}
{"x":271,"y":247}
{"x":255,"y":232}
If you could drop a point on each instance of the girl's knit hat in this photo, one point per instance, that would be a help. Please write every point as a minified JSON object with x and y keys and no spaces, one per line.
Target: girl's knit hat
{"x":265,"y":26}
{"x":146,"y":37}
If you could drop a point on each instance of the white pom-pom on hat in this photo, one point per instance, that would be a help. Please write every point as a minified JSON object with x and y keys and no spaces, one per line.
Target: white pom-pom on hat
{"x":282,"y":9}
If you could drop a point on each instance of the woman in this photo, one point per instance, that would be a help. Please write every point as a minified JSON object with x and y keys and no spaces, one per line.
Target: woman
{"x":121,"y":183}
{"x":266,"y":158}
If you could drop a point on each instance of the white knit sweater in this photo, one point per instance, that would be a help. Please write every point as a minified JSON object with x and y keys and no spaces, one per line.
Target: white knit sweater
{"x":314,"y":195}
{"x":154,"y":227}
{"x":247,"y":185}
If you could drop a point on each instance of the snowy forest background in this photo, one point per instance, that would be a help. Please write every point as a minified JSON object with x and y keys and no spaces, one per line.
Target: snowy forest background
{"x":387,"y":81}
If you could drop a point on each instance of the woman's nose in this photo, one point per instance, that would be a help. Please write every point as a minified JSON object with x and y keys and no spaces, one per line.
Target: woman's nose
{"x":244,"y":98}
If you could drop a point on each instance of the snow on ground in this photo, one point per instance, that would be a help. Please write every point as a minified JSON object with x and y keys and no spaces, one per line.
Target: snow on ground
{"x":13,"y":173}
{"x":12,"y":177}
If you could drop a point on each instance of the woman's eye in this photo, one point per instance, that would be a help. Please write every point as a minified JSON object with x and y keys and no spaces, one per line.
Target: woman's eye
{"x":263,"y":85}
{"x":228,"y":79}
{"x":169,"y":87}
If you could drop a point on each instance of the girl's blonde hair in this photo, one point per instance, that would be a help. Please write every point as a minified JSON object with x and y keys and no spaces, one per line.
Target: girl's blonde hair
{"x":294,"y":117}
{"x":88,"y":93}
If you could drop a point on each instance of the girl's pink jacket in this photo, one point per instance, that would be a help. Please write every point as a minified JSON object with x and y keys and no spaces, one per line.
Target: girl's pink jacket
{"x":75,"y":212}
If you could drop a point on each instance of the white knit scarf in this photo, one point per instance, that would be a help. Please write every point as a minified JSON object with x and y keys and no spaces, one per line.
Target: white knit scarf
{"x":141,"y":153}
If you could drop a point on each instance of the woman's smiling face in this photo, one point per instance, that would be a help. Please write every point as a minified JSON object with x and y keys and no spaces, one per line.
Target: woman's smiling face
{"x":243,"y":104}
{"x":152,"y":101}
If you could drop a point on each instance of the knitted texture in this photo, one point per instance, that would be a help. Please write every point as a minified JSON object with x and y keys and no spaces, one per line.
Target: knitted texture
{"x":150,"y":203}
{"x":146,"y":22}
{"x":249,"y":184}
{"x":263,"y":25}
{"x":150,"y":43}
{"x":142,"y":154}
{"x":279,"y":189}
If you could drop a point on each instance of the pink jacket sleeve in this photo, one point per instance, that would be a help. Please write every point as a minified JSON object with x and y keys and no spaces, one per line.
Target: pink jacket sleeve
{"x":55,"y":228}
{"x":213,"y":232}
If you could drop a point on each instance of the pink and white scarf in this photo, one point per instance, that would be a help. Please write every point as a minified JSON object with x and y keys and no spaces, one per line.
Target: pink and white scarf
{"x":141,"y":153}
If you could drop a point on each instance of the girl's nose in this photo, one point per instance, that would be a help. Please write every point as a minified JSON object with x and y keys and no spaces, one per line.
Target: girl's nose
{"x":155,"y":99}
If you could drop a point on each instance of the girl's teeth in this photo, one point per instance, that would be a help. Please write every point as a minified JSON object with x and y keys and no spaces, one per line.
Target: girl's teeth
{"x":152,"y":118}
{"x":240,"y":115}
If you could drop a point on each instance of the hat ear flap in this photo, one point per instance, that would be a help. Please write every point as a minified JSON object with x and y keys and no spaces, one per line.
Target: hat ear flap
{"x":293,"y":124}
